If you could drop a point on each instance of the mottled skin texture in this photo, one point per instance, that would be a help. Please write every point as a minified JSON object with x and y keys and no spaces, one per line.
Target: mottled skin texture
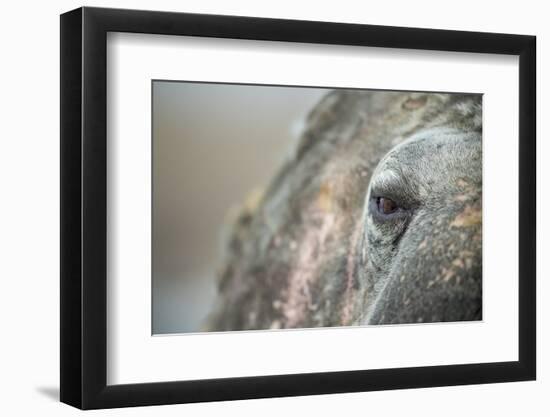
{"x":312,"y":251}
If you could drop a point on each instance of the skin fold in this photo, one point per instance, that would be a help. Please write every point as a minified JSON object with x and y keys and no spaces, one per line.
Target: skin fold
{"x":314,"y":249}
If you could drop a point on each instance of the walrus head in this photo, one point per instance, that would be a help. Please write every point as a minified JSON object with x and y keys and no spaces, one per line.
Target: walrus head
{"x":376,"y":218}
{"x":421,"y":245}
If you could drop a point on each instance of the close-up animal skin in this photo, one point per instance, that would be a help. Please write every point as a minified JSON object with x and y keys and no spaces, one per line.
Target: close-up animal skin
{"x":374,"y":219}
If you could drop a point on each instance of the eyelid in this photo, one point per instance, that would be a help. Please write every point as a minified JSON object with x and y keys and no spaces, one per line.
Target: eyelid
{"x":386,"y":184}
{"x":390,"y":184}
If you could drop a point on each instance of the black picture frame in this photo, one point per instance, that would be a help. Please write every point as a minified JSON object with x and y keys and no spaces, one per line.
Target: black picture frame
{"x":84,"y":207}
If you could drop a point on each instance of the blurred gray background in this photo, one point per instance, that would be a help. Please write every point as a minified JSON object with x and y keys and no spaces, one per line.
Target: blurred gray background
{"x":213,"y":144}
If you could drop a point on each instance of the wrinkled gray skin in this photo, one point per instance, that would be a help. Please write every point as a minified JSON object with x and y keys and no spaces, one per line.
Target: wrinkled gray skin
{"x":314,"y":250}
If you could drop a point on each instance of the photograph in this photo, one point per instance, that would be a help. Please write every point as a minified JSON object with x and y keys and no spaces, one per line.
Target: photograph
{"x":285,"y":204}
{"x":296,"y":207}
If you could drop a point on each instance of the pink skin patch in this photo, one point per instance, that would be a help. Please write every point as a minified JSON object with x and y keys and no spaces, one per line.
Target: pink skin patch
{"x":304,"y":273}
{"x":350,"y":273}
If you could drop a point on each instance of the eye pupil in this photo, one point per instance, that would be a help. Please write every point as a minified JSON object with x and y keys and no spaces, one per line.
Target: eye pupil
{"x":386,"y":205}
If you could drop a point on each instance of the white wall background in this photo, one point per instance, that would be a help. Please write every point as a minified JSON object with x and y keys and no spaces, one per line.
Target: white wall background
{"x":29,"y":237}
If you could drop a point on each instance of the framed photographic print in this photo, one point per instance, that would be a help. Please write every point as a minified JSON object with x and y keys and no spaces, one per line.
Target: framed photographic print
{"x":256,"y":207}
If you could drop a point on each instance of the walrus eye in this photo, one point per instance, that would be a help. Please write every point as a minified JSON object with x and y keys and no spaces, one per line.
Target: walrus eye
{"x":386,"y":205}
{"x":386,"y":209}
